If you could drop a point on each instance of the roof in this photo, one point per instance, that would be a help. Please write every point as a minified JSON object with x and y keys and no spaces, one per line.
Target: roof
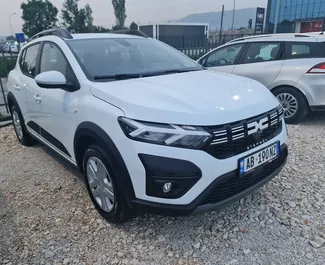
{"x":175,"y":24}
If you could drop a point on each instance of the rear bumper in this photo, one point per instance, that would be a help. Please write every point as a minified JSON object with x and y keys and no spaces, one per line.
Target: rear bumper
{"x":203,"y":202}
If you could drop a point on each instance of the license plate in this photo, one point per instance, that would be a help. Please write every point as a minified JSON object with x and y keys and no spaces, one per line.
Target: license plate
{"x":249,"y":163}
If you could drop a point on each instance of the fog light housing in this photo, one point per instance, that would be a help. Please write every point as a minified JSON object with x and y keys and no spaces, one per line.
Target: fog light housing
{"x":169,"y":177}
{"x":167,"y":187}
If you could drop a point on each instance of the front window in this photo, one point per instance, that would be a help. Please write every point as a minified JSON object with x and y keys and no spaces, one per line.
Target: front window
{"x":112,"y":58}
{"x":224,"y":56}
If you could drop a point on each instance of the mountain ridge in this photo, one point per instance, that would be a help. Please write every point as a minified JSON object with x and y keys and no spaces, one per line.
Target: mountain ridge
{"x":242,"y":17}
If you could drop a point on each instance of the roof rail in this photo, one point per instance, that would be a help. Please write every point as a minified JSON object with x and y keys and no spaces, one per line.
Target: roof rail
{"x":130,"y":32}
{"x":297,"y":35}
{"x":249,"y":37}
{"x":59,"y":32}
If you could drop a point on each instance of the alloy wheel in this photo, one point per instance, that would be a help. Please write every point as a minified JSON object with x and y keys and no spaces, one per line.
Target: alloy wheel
{"x":289,"y":104}
{"x":17,"y":125}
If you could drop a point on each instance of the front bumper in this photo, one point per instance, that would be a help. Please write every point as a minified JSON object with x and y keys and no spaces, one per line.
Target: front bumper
{"x":221,"y":192}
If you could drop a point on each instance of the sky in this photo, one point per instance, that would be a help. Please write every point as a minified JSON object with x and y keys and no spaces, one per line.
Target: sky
{"x":142,"y":11}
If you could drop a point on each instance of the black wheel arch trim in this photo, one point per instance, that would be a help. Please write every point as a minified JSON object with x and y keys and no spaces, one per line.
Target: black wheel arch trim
{"x":89,"y":129}
{"x":11,"y":97}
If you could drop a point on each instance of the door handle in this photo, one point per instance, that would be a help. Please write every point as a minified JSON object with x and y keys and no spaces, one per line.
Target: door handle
{"x":38,"y":98}
{"x":17,"y":87}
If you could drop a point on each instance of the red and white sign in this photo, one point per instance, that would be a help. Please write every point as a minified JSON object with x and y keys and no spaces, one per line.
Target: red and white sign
{"x":314,"y":26}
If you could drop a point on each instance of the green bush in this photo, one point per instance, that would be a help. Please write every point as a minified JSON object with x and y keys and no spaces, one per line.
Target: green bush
{"x":6,"y":65}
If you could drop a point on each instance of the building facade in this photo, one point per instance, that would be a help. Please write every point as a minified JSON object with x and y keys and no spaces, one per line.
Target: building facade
{"x":289,"y":16}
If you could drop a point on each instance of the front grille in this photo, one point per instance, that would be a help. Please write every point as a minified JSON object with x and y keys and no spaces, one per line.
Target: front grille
{"x":235,"y":138}
{"x":231,"y":184}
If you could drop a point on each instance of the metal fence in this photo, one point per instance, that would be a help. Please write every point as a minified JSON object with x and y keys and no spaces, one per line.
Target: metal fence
{"x":196,"y":48}
{"x":7,"y":63}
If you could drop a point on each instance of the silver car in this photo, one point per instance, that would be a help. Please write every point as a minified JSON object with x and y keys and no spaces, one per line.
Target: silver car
{"x":292,"y":66}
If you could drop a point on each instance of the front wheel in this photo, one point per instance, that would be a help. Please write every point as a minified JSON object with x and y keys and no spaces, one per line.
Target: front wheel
{"x":294,"y":103}
{"x":102,"y":186}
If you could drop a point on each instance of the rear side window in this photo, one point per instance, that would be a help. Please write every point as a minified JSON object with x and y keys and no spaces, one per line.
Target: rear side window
{"x":304,"y":50}
{"x":28,"y":60}
{"x":262,"y":52}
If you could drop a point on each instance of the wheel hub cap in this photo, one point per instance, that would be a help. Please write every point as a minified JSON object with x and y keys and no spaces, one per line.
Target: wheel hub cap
{"x":100,"y":184}
{"x":17,"y":125}
{"x":289,"y":104}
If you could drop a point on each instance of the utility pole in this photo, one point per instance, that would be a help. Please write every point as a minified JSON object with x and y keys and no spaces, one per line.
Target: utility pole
{"x":12,"y":31}
{"x":233,"y":16}
{"x":276,"y":20}
{"x":221,"y":24}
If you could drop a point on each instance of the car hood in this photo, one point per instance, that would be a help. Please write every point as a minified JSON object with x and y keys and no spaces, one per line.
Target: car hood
{"x":193,"y":98}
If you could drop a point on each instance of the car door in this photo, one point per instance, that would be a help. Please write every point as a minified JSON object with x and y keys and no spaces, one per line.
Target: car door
{"x":223,"y":59}
{"x":58,"y":104}
{"x":33,"y":94}
{"x":262,"y":61}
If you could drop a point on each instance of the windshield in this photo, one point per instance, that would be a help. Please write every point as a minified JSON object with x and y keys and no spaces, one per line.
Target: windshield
{"x":128,"y":57}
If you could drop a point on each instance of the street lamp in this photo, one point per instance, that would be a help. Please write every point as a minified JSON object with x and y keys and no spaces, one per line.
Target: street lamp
{"x":12,"y":31}
{"x":276,"y":19}
{"x":233,"y":16}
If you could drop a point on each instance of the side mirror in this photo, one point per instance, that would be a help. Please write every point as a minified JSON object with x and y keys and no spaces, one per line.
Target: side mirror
{"x":51,"y":79}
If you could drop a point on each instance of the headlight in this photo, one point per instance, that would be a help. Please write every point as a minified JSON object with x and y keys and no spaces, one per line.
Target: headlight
{"x":164,"y":134}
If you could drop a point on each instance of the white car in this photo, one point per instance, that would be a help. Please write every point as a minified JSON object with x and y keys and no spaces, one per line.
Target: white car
{"x":11,"y":48}
{"x":291,"y":66}
{"x":151,"y":129}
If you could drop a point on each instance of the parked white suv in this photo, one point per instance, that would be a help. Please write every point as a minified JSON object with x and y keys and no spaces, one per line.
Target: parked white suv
{"x":150,"y":129}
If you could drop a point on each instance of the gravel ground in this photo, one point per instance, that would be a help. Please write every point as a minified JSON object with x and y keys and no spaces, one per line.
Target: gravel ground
{"x":46,"y":216}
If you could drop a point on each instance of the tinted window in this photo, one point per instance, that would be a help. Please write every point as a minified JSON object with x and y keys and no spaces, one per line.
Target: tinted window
{"x":296,"y":50}
{"x":102,"y":57}
{"x":28,"y":60}
{"x":224,"y":56}
{"x":54,"y":60}
{"x":262,"y":52}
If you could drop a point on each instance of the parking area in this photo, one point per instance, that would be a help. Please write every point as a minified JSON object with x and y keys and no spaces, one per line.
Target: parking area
{"x":47,"y":217}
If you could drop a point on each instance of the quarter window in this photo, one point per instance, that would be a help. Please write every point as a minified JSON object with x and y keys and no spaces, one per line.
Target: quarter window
{"x":224,"y":56}
{"x":28,"y":60}
{"x":296,"y":50}
{"x":262,"y":52}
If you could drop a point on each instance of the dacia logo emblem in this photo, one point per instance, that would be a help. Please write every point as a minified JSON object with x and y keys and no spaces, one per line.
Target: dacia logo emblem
{"x":256,"y":126}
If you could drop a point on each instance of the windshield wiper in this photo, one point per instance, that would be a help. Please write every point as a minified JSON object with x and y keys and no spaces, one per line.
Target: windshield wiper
{"x":148,"y":74}
{"x":117,"y":77}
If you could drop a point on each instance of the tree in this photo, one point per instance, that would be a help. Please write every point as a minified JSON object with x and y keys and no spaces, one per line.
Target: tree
{"x":250,"y":23}
{"x":79,"y":20}
{"x":100,"y":29}
{"x":120,"y":13}
{"x":38,"y":15}
{"x":134,"y":25}
{"x":11,"y":38}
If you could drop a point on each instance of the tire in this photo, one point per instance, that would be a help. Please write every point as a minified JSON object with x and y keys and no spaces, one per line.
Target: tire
{"x":299,"y":105}
{"x":115,"y":208}
{"x":20,"y":129}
